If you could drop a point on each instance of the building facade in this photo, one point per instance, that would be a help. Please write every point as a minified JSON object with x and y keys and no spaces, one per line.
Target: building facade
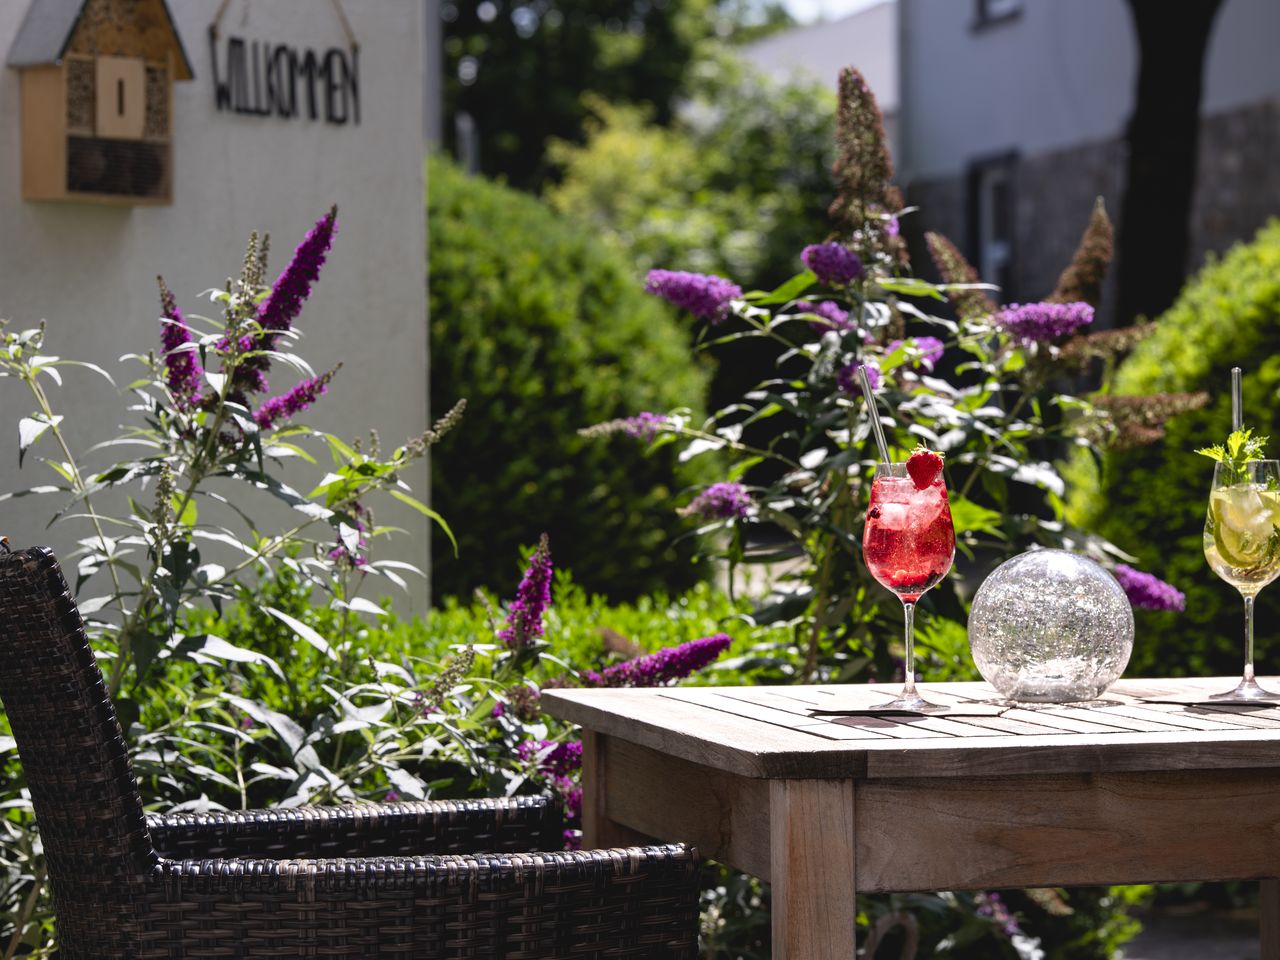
{"x":1013,"y":117}
{"x":290,"y":107}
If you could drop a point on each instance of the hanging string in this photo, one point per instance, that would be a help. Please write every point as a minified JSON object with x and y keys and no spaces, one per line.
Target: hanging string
{"x":337,"y":6}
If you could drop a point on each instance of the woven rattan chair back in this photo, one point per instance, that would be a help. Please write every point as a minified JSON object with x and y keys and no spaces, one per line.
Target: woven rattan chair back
{"x":424,"y":880}
{"x":85,"y":797}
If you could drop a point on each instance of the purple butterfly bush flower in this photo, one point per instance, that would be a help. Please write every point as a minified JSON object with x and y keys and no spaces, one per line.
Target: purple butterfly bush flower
{"x":720,"y":501}
{"x":644,"y":425}
{"x":182,"y":369}
{"x":850,"y":383}
{"x":552,"y":758}
{"x":533,"y":597}
{"x":1031,"y":323}
{"x":929,"y":348}
{"x":341,"y":553}
{"x":1146,"y":591}
{"x":569,"y":789}
{"x":664,"y":666}
{"x":831,"y":312}
{"x":832,"y":263}
{"x":283,"y":304}
{"x":704,"y":295}
{"x":286,"y":405}
{"x":991,"y":906}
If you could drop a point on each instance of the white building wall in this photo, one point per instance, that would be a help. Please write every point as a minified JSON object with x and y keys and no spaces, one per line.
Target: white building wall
{"x":817,"y":52}
{"x":1059,"y":75}
{"x":90,"y":270}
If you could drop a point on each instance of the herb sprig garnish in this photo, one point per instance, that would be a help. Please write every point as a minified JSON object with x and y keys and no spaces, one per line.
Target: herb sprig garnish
{"x":1242,"y":447}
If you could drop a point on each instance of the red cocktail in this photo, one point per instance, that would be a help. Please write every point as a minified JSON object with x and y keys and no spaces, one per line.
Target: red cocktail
{"x":909,"y":543}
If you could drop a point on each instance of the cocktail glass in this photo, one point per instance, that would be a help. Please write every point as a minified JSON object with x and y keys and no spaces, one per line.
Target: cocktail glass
{"x":908,"y":544}
{"x":1242,"y":545}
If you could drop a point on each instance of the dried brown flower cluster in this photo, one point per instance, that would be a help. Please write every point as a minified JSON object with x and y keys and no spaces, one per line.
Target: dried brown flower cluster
{"x":1104,"y":344}
{"x":1137,"y":421}
{"x":417,"y":446}
{"x":954,"y":268}
{"x":455,"y":669}
{"x":1082,"y":280}
{"x":862,"y":167}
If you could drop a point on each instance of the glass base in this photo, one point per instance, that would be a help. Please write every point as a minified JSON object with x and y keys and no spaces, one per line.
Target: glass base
{"x":1247,"y":692}
{"x":912,"y":702}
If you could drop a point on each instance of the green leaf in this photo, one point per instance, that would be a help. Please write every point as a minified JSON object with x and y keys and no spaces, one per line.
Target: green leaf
{"x":911,"y":287}
{"x":31,"y":429}
{"x":305,"y":632}
{"x":428,"y":512}
{"x":188,"y":517}
{"x":968,"y":516}
{"x":785,"y":293}
{"x":207,"y":648}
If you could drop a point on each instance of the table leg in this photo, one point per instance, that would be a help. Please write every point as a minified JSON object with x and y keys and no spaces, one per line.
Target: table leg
{"x":597,"y":829}
{"x":1269,"y":919}
{"x":811,"y":862}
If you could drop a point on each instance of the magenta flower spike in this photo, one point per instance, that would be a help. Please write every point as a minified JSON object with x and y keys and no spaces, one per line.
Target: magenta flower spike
{"x":287,"y":405}
{"x":720,"y":501}
{"x":704,"y":295}
{"x":831,"y":262}
{"x":182,"y":369}
{"x":533,"y":597}
{"x":1146,"y":591}
{"x":1031,"y":323}
{"x":293,"y":286}
{"x":655,"y":669}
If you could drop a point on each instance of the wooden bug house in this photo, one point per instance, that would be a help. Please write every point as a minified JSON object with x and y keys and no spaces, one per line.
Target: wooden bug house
{"x":97,"y":100}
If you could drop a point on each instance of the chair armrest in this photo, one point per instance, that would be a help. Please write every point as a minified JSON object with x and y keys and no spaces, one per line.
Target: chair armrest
{"x":362,"y":830}
{"x":635,"y":902}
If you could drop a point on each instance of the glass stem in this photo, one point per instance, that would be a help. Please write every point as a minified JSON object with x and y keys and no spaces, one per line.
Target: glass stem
{"x":1248,"y":640}
{"x":909,"y":615}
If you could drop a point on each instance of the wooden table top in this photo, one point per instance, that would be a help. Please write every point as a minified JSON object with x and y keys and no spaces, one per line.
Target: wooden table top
{"x":771,"y":732}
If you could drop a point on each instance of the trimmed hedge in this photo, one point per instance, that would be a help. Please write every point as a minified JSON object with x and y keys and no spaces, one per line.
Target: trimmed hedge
{"x":1151,"y":501}
{"x":545,"y":331}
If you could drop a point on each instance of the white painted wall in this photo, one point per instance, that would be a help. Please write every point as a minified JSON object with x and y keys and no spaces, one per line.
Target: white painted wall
{"x":90,"y":270}
{"x":1061,"y":74}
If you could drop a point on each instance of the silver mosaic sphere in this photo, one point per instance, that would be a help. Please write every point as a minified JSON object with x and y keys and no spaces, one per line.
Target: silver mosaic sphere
{"x":1051,"y":626}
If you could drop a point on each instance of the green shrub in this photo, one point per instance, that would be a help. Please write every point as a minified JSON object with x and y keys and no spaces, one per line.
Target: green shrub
{"x":1151,"y":500}
{"x":545,"y":332}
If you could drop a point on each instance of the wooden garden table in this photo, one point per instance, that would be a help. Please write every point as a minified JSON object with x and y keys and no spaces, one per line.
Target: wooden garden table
{"x":1125,"y":792}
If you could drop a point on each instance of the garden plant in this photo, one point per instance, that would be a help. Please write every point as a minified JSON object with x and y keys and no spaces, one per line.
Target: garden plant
{"x":990,"y":387}
{"x":251,"y":653}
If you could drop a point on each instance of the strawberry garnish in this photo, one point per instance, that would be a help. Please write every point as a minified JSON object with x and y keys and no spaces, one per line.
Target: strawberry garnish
{"x":924,"y":466}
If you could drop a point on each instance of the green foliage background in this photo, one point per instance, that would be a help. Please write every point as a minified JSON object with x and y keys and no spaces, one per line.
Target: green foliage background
{"x":1151,"y":500}
{"x":737,"y":185}
{"x":545,"y":332}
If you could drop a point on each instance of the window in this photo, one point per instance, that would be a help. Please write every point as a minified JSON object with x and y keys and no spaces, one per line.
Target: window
{"x":992,"y":234}
{"x":991,"y":12}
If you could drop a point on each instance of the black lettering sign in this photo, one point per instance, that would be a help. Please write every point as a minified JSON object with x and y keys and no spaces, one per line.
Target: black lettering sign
{"x":262,"y":79}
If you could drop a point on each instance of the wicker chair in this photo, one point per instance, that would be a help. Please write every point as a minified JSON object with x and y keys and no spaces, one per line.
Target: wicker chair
{"x":405,"y":880}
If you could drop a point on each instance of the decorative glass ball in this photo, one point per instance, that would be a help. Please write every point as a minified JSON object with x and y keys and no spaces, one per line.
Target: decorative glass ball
{"x":1051,"y":626}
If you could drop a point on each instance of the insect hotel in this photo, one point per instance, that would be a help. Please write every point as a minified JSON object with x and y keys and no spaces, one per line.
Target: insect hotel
{"x":97,"y":100}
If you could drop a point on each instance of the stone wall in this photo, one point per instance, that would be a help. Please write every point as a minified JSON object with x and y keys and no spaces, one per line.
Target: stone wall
{"x":1238,"y":189}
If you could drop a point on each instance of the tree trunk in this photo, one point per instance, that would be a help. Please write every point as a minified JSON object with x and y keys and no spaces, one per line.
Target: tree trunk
{"x":1163,"y":137}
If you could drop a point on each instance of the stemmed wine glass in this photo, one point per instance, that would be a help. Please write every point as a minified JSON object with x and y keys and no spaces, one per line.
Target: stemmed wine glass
{"x":1242,"y":545}
{"x":908,"y":544}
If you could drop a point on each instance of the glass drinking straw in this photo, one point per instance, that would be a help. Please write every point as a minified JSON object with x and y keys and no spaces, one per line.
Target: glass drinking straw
{"x":873,"y":413}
